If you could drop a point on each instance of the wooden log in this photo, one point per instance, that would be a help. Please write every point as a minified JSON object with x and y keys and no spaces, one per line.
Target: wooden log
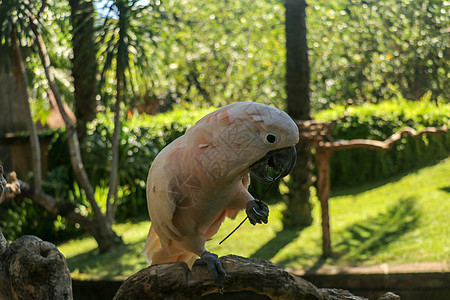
{"x":387,"y":143}
{"x":176,"y":281}
{"x":31,"y":268}
{"x":323,"y":192}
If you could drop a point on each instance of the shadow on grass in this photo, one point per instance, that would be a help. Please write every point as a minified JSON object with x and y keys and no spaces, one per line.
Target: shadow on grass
{"x":118,"y":261}
{"x":362,"y":240}
{"x":445,"y":189}
{"x":336,"y":191}
{"x":281,"y":239}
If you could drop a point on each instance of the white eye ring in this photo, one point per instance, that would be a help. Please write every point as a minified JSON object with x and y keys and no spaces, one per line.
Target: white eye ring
{"x":270,"y":138}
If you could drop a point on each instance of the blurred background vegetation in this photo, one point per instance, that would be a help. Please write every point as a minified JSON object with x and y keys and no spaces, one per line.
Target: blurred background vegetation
{"x":186,"y":58}
{"x":214,"y":53}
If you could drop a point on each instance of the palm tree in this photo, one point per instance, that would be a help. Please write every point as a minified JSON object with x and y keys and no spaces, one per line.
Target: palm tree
{"x":84,"y":62}
{"x":22,"y":17}
{"x":298,"y":209}
{"x":15,"y":30}
{"x":122,"y":40}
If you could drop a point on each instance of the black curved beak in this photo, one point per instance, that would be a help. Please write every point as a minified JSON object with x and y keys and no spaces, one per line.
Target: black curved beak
{"x":282,"y":161}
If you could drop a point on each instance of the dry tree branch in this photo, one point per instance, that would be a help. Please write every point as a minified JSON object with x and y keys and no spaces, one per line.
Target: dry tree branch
{"x":9,"y":188}
{"x":387,"y":143}
{"x":74,"y":146}
{"x":176,"y":281}
{"x":14,"y":187}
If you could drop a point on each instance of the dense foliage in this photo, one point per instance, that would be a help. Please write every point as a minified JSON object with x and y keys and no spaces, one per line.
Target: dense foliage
{"x":220,"y":53}
{"x":141,"y":139}
{"x":378,"y":121}
{"x":216,"y":53}
{"x":372,"y":50}
{"x":360,"y":50}
{"x":144,"y":136}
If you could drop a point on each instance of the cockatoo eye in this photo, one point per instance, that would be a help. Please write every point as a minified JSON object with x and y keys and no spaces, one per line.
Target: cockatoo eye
{"x":271,"y":138}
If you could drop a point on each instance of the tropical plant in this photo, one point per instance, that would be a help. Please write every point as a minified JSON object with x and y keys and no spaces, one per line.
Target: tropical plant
{"x":84,"y":67}
{"x":13,"y":15}
{"x":123,"y":39}
{"x":372,"y":50}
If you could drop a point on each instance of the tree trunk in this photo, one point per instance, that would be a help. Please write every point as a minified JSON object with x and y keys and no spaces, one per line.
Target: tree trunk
{"x":29,"y":267}
{"x":84,"y":62}
{"x":20,"y":72}
{"x":10,"y":122}
{"x":298,"y":210}
{"x":111,"y":200}
{"x":323,"y":193}
{"x":257,"y":276}
{"x":102,"y":231}
{"x":33,"y":269}
{"x":9,"y":90}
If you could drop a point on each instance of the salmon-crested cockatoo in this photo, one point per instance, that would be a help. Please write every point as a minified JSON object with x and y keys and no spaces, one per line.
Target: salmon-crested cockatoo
{"x":202,"y":177}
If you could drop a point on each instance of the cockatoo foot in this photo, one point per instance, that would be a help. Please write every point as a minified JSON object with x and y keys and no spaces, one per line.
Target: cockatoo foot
{"x":215,"y":267}
{"x":257,"y":212}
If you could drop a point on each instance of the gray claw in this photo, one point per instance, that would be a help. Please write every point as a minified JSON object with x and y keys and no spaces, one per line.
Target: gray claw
{"x":257,"y":212}
{"x":215,"y":267}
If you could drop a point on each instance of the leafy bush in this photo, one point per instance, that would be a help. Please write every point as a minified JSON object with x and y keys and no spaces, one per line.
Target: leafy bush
{"x":359,"y":49}
{"x":141,"y":139}
{"x":216,"y":53}
{"x":21,"y":216}
{"x":143,"y":136}
{"x":379,"y":121}
{"x":372,"y":50}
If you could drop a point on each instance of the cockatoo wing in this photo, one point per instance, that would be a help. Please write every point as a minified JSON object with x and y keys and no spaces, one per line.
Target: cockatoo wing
{"x":173,"y":183}
{"x":160,"y":193}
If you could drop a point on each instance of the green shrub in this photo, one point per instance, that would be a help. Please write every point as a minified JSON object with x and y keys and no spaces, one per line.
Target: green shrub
{"x":21,"y":216}
{"x":372,"y":50}
{"x":379,"y":121}
{"x":141,"y":139}
{"x":358,"y":49}
{"x":143,"y":136}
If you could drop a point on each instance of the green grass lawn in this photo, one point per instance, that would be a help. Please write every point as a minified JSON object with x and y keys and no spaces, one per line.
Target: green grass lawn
{"x":405,"y":219}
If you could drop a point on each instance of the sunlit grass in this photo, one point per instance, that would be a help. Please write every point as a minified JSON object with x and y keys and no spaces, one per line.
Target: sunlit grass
{"x":85,"y":261}
{"x":404,"y":220}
